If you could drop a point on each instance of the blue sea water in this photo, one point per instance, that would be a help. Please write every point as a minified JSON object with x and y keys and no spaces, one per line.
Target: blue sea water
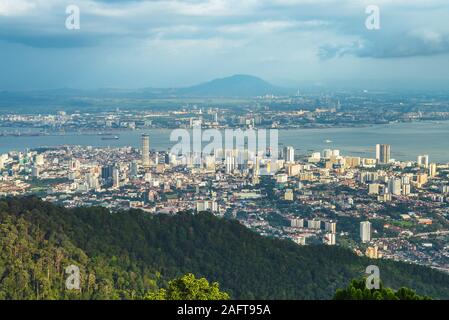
{"x":408,"y":140}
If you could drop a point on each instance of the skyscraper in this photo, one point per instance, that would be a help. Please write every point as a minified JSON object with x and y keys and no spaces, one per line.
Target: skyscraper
{"x":116,"y":178}
{"x":289,"y":154}
{"x":423,"y":161}
{"x":394,"y":185}
{"x":145,"y":150}
{"x":230,"y":163}
{"x":432,"y":170}
{"x":106,"y":172}
{"x":365,"y":231}
{"x":383,"y":152}
{"x":134,"y":169}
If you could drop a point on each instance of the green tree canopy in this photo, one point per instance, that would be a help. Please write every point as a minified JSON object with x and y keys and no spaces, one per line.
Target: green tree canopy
{"x":188,"y":287}
{"x":126,"y":254}
{"x":357,"y":290}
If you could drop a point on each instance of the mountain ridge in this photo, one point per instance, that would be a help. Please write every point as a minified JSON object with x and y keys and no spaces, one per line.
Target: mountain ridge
{"x":122,"y":255}
{"x":238,"y":86}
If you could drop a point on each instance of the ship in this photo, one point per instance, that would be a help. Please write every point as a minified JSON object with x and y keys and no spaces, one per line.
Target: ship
{"x":110,"y":138}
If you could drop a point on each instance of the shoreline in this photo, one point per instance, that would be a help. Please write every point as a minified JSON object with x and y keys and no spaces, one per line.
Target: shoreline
{"x":95,"y":132}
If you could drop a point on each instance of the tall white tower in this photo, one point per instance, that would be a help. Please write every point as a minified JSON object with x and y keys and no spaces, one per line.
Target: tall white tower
{"x":145,"y":150}
{"x":289,"y":154}
{"x":365,"y":231}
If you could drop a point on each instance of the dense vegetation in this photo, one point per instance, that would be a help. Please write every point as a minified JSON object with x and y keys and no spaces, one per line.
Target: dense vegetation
{"x":188,"y":287}
{"x":126,"y":255}
{"x":357,"y":291}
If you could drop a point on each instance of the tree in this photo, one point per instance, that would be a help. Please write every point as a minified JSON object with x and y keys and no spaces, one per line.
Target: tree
{"x":357,"y":291}
{"x":188,"y":287}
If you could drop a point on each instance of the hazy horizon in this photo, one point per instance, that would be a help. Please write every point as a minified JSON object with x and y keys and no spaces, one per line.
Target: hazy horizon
{"x":386,"y":86}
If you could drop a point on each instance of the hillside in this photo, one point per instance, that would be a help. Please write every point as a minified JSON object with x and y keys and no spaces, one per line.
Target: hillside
{"x":126,"y":254}
{"x":234,"y":86}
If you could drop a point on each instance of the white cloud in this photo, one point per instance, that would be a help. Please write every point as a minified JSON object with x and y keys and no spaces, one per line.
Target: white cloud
{"x":225,"y":36}
{"x":15,"y":7}
{"x":269,"y":26}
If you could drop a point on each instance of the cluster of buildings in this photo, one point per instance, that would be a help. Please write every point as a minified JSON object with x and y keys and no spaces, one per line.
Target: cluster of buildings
{"x":378,"y":207}
{"x":304,"y":110}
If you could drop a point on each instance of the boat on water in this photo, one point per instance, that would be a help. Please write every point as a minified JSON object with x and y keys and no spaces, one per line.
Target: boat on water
{"x":328,"y":141}
{"x":110,"y":138}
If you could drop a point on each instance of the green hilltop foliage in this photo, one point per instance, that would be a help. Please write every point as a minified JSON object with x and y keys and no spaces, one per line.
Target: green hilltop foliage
{"x":357,"y":291}
{"x":188,"y":287}
{"x":132,"y":254}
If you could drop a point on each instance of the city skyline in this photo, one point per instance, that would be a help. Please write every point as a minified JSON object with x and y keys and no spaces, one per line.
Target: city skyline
{"x":224,"y":150}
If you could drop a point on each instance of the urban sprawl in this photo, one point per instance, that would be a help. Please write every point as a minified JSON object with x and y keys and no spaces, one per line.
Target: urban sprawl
{"x":379,"y":207}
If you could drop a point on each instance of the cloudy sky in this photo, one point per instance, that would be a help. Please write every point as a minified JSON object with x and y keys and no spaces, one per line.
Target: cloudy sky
{"x":165,"y":43}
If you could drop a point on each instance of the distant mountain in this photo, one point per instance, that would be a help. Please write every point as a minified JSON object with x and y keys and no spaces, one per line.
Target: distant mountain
{"x":237,"y":86}
{"x":234,"y":86}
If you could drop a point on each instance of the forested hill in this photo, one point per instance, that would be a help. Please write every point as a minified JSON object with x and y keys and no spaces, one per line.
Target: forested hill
{"x":123,"y":255}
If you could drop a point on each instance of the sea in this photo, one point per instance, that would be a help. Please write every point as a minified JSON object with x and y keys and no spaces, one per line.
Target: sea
{"x":407,"y":140}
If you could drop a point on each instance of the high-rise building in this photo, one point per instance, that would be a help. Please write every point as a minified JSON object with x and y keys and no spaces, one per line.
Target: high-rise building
{"x":421,"y":179}
{"x":106,"y":172}
{"x":335,"y":153}
{"x":327,"y":153}
{"x":314,"y":157}
{"x":230,"y":164}
{"x":92,"y":181}
{"x":145,"y":150}
{"x":423,"y":160}
{"x":289,"y":154}
{"x":314,"y":224}
{"x":406,"y":189}
{"x":206,"y":205}
{"x":432,"y":170}
{"x":297,"y":223}
{"x":329,"y":239}
{"x":352,"y":162}
{"x":383,"y":153}
{"x":365,"y":231}
{"x":394,"y":185}
{"x":330,"y":226}
{"x":116,"y":178}
{"x":134,"y":169}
